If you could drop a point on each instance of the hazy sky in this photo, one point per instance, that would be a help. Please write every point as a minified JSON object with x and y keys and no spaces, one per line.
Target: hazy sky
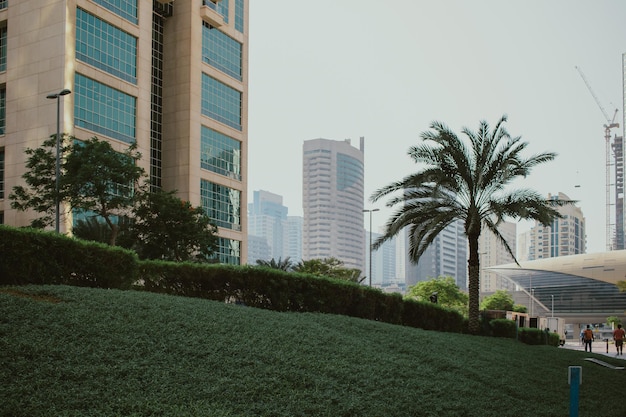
{"x":339,"y":69}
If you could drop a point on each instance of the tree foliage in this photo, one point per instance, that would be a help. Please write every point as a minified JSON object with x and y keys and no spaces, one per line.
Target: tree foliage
{"x":499,"y":300}
{"x":94,"y":178}
{"x":448,"y":293}
{"x":465,"y":179}
{"x":39,"y":194}
{"x":101,"y":180}
{"x":165,"y":227}
{"x":330,"y":267}
{"x":613,"y":320}
{"x":282,"y":264}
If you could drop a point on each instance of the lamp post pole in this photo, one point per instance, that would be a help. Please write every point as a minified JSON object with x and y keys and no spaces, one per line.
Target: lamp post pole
{"x":370,"y":212}
{"x":57,"y":174}
{"x":552,"y":308}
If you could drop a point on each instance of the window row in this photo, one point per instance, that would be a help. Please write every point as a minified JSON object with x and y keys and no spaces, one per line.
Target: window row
{"x":105,"y":47}
{"x":222,"y":204}
{"x":220,"y":153}
{"x":221,"y":51}
{"x":103,"y":109}
{"x":221,"y":102}
{"x":126,"y":9}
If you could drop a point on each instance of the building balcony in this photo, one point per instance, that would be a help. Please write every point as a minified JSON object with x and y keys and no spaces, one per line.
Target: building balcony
{"x":210,"y":15}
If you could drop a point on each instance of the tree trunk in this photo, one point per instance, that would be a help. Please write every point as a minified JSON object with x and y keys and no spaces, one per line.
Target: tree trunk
{"x":473,"y":264}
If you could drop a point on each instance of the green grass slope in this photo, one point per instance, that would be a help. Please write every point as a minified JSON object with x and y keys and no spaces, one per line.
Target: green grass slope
{"x":68,"y":351}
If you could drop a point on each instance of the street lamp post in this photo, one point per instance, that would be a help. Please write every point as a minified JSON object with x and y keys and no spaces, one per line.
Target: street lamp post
{"x":552,"y":308}
{"x":57,"y":174}
{"x":370,"y":212}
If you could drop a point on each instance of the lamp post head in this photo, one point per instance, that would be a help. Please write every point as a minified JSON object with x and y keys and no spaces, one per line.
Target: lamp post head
{"x":63,"y":92}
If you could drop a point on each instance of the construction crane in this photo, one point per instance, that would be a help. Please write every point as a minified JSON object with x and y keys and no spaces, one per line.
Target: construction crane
{"x":610,"y":124}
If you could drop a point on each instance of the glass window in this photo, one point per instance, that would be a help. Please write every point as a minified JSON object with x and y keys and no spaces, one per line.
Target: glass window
{"x":1,"y":173}
{"x":221,"y":102}
{"x":3,"y":110}
{"x":221,"y":7}
{"x":123,"y":8}
{"x":222,"y":204}
{"x":239,"y":15}
{"x":221,"y":51}
{"x":103,"y":109}
{"x":106,"y":47}
{"x":229,"y":251}
{"x":4,"y":4}
{"x":3,"y":49}
{"x":220,"y":153}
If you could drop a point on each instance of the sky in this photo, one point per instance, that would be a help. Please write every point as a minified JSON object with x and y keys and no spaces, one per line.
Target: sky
{"x":385,"y":70}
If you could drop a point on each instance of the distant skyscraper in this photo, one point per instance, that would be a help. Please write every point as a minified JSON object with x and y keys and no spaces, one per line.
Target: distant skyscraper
{"x":446,"y":256}
{"x":618,"y":153}
{"x":492,"y":252}
{"x":294,"y":238}
{"x":332,"y":201}
{"x":268,"y":222}
{"x":565,"y":236}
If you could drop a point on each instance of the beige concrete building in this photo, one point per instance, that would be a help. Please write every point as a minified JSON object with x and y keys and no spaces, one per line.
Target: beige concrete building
{"x":492,"y":252}
{"x":171,"y":76}
{"x":565,"y":236}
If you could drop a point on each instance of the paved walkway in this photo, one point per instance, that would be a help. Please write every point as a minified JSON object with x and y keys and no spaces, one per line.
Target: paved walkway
{"x":598,"y":346}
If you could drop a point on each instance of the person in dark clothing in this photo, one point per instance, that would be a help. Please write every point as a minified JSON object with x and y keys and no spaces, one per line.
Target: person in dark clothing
{"x":588,"y":337}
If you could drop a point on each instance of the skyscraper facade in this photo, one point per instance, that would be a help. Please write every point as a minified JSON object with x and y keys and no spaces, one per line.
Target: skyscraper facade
{"x":170,"y":76}
{"x":446,"y":256}
{"x":267,"y":218}
{"x":565,"y":236}
{"x":492,"y":252}
{"x":332,"y":202}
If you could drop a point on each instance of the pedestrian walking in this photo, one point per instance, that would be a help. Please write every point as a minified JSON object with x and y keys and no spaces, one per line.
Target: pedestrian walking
{"x":588,"y":338}
{"x":618,"y":335}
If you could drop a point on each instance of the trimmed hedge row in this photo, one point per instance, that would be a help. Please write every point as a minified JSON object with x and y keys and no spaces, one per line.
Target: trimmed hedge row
{"x":29,"y":256}
{"x":35,"y":257}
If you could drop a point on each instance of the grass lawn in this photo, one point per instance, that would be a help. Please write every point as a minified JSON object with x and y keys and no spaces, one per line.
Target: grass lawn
{"x":67,"y":351}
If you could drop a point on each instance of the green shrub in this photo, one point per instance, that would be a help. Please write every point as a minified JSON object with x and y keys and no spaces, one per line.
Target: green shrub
{"x":503,"y":328}
{"x":32,"y":256}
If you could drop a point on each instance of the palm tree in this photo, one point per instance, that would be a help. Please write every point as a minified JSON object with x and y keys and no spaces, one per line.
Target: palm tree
{"x":465,"y":180}
{"x":282,"y":264}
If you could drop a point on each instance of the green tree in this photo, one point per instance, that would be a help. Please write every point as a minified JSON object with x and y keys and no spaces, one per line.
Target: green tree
{"x":621,"y":285}
{"x":282,"y":264}
{"x":165,"y":227}
{"x":465,"y":180}
{"x":40,"y":193}
{"x":448,"y":293}
{"x":613,"y":320}
{"x":101,"y":180}
{"x":499,"y":300}
{"x":94,"y":178}
{"x":330,"y":267}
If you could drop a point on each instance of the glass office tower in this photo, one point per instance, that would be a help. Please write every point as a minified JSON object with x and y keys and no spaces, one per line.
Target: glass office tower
{"x":170,"y":76}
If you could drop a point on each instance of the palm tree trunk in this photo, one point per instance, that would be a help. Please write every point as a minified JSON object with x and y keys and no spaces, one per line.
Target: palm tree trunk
{"x":473,"y":264}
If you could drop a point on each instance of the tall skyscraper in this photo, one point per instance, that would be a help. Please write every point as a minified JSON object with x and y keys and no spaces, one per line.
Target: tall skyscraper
{"x":267,"y":219}
{"x":170,"y":76}
{"x":492,"y":252}
{"x":446,"y":256}
{"x":332,"y":202}
{"x":565,"y":236}
{"x":294,"y":238}
{"x":384,"y":262}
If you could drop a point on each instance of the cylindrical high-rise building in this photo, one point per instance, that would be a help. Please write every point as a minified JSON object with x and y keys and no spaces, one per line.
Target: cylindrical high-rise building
{"x":332,"y":202}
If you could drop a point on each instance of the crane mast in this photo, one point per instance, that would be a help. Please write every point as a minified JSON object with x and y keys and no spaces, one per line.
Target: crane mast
{"x":610,"y":124}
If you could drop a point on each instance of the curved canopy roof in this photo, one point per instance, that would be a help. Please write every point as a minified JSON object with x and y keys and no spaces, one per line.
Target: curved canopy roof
{"x":576,"y":285}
